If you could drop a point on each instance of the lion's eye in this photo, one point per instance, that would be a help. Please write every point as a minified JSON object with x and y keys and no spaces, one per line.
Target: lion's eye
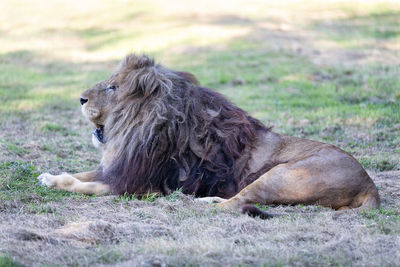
{"x":111,"y":88}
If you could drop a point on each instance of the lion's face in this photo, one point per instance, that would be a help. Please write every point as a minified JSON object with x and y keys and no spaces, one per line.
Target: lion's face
{"x":118,"y":101}
{"x":97,"y":103}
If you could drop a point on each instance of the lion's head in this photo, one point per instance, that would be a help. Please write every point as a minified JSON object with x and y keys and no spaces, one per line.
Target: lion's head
{"x":165,"y":132}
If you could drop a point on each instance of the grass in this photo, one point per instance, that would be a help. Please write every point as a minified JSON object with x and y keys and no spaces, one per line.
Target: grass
{"x":18,"y":182}
{"x":323,"y":71}
{"x":6,"y":261}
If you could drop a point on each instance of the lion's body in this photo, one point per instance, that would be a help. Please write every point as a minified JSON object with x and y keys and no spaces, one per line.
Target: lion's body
{"x":310,"y":173}
{"x":163,"y":132}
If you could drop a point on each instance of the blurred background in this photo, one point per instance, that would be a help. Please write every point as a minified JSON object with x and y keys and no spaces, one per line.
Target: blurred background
{"x":324,"y":70}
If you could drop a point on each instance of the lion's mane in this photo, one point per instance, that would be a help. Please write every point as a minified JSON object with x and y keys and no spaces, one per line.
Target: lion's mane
{"x":167,"y":132}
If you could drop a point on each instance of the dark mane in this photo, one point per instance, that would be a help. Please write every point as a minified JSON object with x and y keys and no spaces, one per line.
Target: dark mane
{"x":167,"y":132}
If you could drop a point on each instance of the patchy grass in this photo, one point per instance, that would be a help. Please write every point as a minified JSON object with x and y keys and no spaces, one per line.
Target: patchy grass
{"x":383,"y":163}
{"x":18,"y":182}
{"x":328,"y":72}
{"x":6,"y":261}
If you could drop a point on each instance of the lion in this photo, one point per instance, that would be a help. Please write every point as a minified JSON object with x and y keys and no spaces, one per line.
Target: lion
{"x":160,"y":131}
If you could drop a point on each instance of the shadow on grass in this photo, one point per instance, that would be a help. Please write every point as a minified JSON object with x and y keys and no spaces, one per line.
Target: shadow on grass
{"x":30,"y":81}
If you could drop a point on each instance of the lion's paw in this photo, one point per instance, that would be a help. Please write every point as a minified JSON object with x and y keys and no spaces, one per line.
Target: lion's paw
{"x":46,"y":179}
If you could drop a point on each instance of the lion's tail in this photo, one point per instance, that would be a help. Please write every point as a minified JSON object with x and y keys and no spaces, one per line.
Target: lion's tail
{"x":253,"y":211}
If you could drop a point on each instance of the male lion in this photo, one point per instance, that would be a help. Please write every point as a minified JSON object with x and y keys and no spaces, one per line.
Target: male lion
{"x":160,"y":131}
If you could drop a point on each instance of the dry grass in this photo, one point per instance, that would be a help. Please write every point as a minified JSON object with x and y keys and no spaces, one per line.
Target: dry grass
{"x":328,"y":72}
{"x":179,"y":231}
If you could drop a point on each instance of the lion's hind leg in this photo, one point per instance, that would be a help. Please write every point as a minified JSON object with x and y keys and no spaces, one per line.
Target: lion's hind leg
{"x":329,"y":178}
{"x":70,"y":183}
{"x":264,"y":190}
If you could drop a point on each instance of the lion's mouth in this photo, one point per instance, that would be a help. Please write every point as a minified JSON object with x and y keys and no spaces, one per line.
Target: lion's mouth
{"x":99,"y":133}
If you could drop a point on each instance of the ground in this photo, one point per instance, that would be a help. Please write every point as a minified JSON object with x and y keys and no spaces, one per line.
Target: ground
{"x":328,"y":72}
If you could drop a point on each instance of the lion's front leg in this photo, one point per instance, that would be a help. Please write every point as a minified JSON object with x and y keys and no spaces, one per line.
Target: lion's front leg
{"x":210,"y":200}
{"x":85,"y":176}
{"x":73,"y":184}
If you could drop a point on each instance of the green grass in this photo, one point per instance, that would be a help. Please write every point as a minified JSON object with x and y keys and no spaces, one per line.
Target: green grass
{"x":381,"y":163}
{"x":6,"y":261}
{"x":52,"y":127}
{"x":14,"y":148}
{"x":383,"y":220}
{"x":18,"y":181}
{"x":382,"y":24}
{"x":108,"y":256}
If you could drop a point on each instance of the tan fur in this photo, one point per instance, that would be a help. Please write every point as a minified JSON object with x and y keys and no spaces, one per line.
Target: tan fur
{"x":79,"y":183}
{"x":306,"y":172}
{"x":315,"y":173}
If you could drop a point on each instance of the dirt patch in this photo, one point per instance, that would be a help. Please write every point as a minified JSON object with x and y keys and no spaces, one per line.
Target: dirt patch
{"x":389,"y":184}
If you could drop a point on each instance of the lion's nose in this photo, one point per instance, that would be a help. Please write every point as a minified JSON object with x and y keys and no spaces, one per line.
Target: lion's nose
{"x":83,"y":100}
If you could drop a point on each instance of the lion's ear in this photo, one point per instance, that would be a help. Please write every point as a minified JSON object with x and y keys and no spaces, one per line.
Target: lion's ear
{"x":147,"y":81}
{"x":188,"y":77}
{"x":153,"y":81}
